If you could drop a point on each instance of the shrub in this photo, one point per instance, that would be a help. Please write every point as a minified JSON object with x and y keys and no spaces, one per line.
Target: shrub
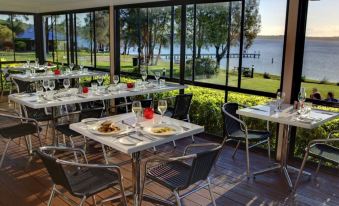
{"x":267,"y":75}
{"x":324,"y":81}
{"x":203,"y":66}
{"x":337,"y":83}
{"x":247,"y":72}
{"x":20,"y":46}
{"x":303,"y":78}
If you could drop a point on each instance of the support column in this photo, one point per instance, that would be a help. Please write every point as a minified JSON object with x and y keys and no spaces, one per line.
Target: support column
{"x":289,"y":53}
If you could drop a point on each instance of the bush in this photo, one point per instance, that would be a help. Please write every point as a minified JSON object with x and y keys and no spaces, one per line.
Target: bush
{"x":20,"y":46}
{"x":203,"y":66}
{"x":337,"y":83}
{"x":247,"y":72}
{"x":303,"y":78}
{"x":267,"y":75}
{"x":324,"y":81}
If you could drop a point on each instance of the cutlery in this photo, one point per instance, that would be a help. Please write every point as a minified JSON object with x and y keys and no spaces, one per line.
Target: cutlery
{"x":254,"y":108}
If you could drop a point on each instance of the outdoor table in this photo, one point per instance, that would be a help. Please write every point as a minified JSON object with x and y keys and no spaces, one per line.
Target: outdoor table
{"x":143,"y":142}
{"x":42,"y":76}
{"x":287,"y":117}
{"x":30,"y":100}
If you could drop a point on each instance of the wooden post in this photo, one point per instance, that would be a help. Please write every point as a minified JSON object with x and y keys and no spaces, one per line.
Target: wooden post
{"x":112,"y":51}
{"x":288,"y":65}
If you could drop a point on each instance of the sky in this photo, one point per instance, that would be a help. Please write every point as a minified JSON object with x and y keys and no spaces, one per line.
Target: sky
{"x":322,"y":17}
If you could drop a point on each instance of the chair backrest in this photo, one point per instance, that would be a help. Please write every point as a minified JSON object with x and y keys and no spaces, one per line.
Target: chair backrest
{"x":231,"y":125}
{"x":91,"y":110}
{"x":182,"y":106}
{"x":37,"y":114}
{"x":202,"y":164}
{"x":55,"y":169}
{"x":23,"y":86}
{"x":146,"y":103}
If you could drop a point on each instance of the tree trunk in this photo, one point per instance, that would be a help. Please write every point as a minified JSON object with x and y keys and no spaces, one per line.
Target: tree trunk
{"x":199,"y":52}
{"x":158,"y":56}
{"x":217,"y":56}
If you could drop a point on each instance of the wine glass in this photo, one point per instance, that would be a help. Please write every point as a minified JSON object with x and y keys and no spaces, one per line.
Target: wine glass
{"x":51,"y":85}
{"x":116,"y":79}
{"x":71,"y":66}
{"x":302,"y":98}
{"x":100,"y":80}
{"x":144,"y":75}
{"x":162,"y":107}
{"x":81,"y":68}
{"x":157,"y":76}
{"x":45,"y":84}
{"x":66,"y":83}
{"x":137,"y":109}
{"x":39,"y":91}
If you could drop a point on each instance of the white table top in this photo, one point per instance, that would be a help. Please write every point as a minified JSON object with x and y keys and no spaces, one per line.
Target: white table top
{"x":43,"y":76}
{"x":288,"y":116}
{"x":30,"y":100}
{"x":147,"y":141}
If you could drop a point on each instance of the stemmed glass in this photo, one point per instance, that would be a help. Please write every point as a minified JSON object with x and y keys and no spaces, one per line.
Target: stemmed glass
{"x":116,"y":79}
{"x":81,"y":68}
{"x":144,"y":75}
{"x":71,"y":66}
{"x":100,"y":80}
{"x":66,"y":84}
{"x":39,"y":91}
{"x":45,"y":84}
{"x":162,"y":107}
{"x":157,"y":76}
{"x":302,"y":98}
{"x":137,"y":110}
{"x":51,"y":85}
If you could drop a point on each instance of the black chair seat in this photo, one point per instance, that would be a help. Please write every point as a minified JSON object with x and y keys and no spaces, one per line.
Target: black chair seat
{"x":253,"y":135}
{"x":173,"y":175}
{"x":169,"y":112}
{"x":325,"y":152}
{"x":90,"y":181}
{"x":64,"y":129}
{"x":18,"y":130}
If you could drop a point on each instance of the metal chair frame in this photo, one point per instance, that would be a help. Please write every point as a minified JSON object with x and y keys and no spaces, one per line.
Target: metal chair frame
{"x":245,"y":130}
{"x":329,"y":139}
{"x":27,"y":139}
{"x":111,"y":167}
{"x":186,"y":157}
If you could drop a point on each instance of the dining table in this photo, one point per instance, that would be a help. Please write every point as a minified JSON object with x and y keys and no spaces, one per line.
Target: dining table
{"x":133,"y":142}
{"x":51,"y":76}
{"x":287,"y":117}
{"x":56,"y":99}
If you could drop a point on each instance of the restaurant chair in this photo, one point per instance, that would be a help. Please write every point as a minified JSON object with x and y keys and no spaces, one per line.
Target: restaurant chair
{"x":24,"y":127}
{"x":181,"y":109}
{"x":85,"y":110}
{"x":323,"y":150}
{"x":179,"y":173}
{"x":5,"y":73}
{"x":81,"y":180}
{"x":236,"y":130}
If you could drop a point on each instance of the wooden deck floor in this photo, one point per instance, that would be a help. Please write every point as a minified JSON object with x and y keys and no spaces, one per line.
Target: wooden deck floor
{"x":25,"y":183}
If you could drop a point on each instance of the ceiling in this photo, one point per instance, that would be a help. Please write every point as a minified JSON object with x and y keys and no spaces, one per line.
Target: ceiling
{"x":38,"y":6}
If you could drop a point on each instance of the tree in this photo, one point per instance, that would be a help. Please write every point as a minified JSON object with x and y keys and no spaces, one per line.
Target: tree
{"x":5,"y":35}
{"x":102,"y":29}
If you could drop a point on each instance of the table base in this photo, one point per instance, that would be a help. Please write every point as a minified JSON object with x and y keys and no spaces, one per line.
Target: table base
{"x":284,"y":169}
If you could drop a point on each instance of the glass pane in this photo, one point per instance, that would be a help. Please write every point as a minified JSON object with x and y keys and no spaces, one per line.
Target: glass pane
{"x":176,"y":43}
{"x":321,"y":62}
{"x":48,"y":37}
{"x":129,"y":39}
{"x":23,"y":28}
{"x":6,"y":38}
{"x":102,"y":39}
{"x":84,"y":39}
{"x":263,"y":45}
{"x":60,"y":38}
{"x":217,"y":35}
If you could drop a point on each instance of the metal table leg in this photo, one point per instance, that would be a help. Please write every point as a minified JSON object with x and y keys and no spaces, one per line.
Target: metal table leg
{"x":283,"y":166}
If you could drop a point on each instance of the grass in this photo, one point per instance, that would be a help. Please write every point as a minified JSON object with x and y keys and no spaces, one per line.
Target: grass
{"x":257,"y":83}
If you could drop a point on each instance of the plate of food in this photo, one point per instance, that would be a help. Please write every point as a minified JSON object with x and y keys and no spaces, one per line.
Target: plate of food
{"x":108,"y":128}
{"x":162,"y":130}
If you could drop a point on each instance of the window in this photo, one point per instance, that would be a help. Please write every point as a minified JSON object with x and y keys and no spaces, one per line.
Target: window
{"x":84,"y":39}
{"x":264,"y":30}
{"x":56,"y":38}
{"x":17,"y":37}
{"x":102,"y":39}
{"x":320,"y":69}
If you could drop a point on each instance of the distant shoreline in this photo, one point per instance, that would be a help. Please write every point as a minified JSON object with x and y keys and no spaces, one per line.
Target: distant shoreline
{"x":334,"y":38}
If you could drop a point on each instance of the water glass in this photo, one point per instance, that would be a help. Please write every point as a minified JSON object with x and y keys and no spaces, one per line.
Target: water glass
{"x":116,"y":79}
{"x":100,"y":80}
{"x":162,"y":107}
{"x":85,"y":70}
{"x":94,"y":87}
{"x":66,"y":83}
{"x":51,"y":85}
{"x":28,"y":72}
{"x":137,"y":110}
{"x":280,"y":100}
{"x":39,"y":92}
{"x":162,"y":83}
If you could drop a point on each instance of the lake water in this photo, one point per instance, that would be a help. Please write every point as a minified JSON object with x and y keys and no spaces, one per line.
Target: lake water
{"x":321,"y":58}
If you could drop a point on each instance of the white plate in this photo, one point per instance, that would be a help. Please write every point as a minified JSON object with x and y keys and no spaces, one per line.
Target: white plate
{"x":94,"y":129}
{"x":128,"y":141}
{"x":175,"y":130}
